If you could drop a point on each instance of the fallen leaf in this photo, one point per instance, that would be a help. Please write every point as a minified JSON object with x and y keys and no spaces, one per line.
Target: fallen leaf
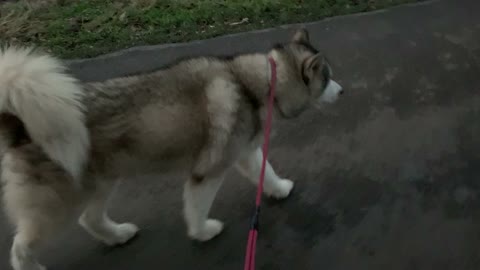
{"x":244,"y":20}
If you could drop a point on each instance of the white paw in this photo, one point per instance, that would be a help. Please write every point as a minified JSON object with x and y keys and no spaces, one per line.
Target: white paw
{"x":122,"y":233}
{"x":17,"y":264}
{"x":211,"y":229}
{"x":35,"y":266}
{"x":281,"y":189}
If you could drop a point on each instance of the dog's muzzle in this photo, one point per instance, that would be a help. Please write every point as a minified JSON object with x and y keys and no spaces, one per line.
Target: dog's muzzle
{"x":331,"y":92}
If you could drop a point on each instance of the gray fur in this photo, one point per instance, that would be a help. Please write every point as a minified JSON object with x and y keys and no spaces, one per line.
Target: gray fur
{"x":200,"y":115}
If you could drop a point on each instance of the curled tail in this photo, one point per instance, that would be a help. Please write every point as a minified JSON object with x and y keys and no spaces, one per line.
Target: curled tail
{"x":35,"y":89}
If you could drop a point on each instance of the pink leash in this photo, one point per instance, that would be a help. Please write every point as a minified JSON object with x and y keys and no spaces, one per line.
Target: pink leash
{"x":252,"y":235}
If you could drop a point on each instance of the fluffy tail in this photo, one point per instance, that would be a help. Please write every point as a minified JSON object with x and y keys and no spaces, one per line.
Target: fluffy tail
{"x":48,"y":102}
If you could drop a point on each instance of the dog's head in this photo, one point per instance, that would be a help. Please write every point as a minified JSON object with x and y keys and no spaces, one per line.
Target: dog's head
{"x":304,"y":76}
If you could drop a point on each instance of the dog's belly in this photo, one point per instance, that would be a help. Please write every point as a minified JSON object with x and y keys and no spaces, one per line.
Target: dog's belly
{"x":127,"y":166}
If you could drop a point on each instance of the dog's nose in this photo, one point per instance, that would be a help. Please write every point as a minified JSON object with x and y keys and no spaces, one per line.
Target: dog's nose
{"x":341,"y":92}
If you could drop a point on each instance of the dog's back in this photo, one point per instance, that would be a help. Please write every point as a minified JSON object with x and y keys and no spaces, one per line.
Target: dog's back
{"x":153,"y":121}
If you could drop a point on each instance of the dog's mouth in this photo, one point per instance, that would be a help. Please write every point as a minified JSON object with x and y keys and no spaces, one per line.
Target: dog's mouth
{"x":331,"y":92}
{"x":330,"y":95}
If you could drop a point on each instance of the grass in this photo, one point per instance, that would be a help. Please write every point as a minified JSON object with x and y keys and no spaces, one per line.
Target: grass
{"x":87,"y":28}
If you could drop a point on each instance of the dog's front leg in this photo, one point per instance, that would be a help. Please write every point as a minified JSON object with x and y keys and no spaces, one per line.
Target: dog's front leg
{"x":198,"y":196}
{"x":274,"y":186}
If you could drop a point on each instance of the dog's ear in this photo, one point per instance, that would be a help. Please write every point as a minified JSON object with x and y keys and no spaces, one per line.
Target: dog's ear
{"x":301,"y":36}
{"x":312,"y":66}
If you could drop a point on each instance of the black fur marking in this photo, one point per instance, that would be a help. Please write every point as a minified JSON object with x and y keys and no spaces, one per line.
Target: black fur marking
{"x":224,"y":58}
{"x":326,"y":72}
{"x":279,"y":46}
{"x":14,"y":132}
{"x":250,"y":97}
{"x":197,"y":179}
{"x":306,"y":80}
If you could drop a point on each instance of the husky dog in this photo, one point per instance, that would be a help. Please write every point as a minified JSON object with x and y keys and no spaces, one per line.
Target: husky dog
{"x":64,"y":144}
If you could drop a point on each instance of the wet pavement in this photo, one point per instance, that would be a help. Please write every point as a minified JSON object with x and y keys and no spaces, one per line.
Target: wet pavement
{"x":387,"y":179}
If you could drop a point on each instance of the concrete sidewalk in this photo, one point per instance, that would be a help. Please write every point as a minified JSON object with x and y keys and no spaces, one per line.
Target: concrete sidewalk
{"x":389,"y":179}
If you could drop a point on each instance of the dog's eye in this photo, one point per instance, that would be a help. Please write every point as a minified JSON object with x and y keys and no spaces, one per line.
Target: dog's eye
{"x":326,"y":74}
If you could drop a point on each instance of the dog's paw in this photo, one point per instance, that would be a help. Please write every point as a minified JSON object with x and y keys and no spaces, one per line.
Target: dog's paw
{"x":211,"y":229}
{"x":109,"y":232}
{"x":34,"y":266}
{"x":122,"y":234}
{"x":281,"y":190}
{"x":17,"y":264}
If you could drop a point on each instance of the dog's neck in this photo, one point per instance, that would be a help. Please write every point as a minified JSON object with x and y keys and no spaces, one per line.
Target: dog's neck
{"x":254,"y":71}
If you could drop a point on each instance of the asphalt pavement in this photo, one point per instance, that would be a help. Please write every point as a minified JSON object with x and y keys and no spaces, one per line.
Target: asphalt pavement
{"x":387,"y":179}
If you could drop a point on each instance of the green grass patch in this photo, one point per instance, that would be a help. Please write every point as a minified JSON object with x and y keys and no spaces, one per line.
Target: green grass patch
{"x":87,"y":28}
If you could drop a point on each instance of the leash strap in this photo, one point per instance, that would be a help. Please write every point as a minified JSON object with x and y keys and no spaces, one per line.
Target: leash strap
{"x":253,"y":233}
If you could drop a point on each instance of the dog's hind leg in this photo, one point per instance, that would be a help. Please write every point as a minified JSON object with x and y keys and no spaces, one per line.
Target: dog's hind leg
{"x":198,"y":196}
{"x":97,"y":223}
{"x":26,"y":240}
{"x":34,"y":204}
{"x":274,"y":186}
